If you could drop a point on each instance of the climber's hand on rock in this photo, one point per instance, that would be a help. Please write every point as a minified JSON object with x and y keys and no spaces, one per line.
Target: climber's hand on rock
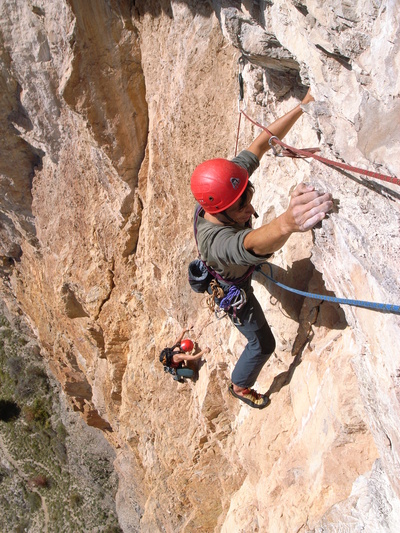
{"x":307,"y":207}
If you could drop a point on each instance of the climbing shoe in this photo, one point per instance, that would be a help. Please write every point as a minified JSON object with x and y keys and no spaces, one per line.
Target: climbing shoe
{"x":251,"y":397}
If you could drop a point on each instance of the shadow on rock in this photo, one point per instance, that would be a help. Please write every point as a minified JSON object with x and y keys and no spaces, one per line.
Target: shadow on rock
{"x":304,"y":277}
{"x":310,"y":313}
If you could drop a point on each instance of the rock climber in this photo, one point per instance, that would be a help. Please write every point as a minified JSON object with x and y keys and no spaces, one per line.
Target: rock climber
{"x":174,"y":358}
{"x":229,"y":246}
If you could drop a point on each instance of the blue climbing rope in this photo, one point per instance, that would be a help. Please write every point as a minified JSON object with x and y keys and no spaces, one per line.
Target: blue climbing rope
{"x":389,"y":308}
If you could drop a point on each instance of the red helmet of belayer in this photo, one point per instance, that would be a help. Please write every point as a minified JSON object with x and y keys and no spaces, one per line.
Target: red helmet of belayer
{"x":217,"y":184}
{"x":186,"y":345}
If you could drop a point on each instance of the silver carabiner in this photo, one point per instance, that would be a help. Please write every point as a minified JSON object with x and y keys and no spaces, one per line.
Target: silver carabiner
{"x":276,"y":149}
{"x":240,"y":301}
{"x":219,"y":313}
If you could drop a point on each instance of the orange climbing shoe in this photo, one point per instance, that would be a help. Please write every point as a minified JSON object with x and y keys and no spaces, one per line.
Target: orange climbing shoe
{"x":251,"y":397}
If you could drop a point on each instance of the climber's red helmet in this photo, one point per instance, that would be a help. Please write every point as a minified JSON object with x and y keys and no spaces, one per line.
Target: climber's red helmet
{"x":217,"y":184}
{"x":187,"y":345}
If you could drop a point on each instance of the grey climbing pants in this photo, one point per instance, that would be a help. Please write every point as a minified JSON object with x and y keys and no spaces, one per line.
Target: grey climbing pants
{"x":260,"y":346}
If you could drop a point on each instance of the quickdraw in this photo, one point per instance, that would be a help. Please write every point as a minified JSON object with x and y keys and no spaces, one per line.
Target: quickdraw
{"x":234,"y":300}
{"x":240,"y":98}
{"x":291,"y":151}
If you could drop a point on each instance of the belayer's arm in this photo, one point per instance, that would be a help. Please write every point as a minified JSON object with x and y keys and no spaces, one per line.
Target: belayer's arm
{"x":179,"y":339}
{"x":279,"y":128}
{"x":188,"y":357}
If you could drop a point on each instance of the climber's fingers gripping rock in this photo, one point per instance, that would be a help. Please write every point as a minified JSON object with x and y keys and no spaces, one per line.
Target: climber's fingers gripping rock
{"x":307,"y":207}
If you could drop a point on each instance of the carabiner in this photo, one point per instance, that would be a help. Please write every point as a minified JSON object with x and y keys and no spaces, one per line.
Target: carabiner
{"x":240,"y":300}
{"x":219,"y":313}
{"x":276,"y":149}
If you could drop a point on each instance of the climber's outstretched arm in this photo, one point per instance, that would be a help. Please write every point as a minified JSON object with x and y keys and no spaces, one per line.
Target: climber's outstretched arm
{"x":187,"y":357}
{"x":279,"y":128}
{"x":179,"y":339}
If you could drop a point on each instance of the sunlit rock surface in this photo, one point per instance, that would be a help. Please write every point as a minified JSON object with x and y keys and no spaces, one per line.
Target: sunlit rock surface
{"x":106,"y":108}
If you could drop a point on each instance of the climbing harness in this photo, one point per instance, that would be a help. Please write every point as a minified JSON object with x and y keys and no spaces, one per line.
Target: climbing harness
{"x":219,"y":301}
{"x":389,"y":308}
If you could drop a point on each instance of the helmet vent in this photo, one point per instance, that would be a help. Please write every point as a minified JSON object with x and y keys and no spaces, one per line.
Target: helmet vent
{"x":235,"y":182}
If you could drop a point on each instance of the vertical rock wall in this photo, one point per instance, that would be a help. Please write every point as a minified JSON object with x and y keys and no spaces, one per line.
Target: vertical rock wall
{"x":107,"y":106}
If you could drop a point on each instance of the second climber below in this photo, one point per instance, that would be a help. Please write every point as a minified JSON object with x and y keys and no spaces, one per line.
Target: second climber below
{"x":229,"y":246}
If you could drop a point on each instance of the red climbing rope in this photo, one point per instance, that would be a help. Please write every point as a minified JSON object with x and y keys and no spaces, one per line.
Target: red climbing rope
{"x":290,"y":151}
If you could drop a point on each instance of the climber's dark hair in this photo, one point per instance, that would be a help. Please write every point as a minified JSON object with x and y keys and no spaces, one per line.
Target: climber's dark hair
{"x":247,"y":195}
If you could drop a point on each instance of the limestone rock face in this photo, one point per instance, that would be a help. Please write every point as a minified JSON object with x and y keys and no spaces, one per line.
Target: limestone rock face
{"x":106,"y":109}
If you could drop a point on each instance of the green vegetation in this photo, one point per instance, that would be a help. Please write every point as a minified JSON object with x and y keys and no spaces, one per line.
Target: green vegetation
{"x":51,"y":478}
